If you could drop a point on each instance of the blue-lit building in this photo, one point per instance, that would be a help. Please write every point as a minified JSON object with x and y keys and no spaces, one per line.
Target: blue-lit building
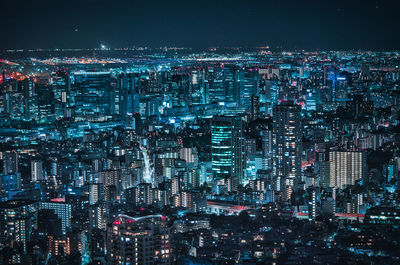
{"x":62,"y":210}
{"x":62,"y":87}
{"x":248,"y":79}
{"x":127,"y":95}
{"x":94,"y":94}
{"x":287,"y":146}
{"x":227,"y":149}
{"x":17,"y":222}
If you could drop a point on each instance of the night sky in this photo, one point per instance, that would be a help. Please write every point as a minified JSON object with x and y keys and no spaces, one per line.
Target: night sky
{"x":306,"y":24}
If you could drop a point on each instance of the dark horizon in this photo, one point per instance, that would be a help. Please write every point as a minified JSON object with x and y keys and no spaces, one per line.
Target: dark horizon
{"x":339,"y":25}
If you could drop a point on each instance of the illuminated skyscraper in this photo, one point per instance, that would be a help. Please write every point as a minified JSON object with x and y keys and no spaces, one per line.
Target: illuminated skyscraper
{"x":127,"y":97}
{"x":231,"y":76}
{"x":287,"y":146}
{"x":61,"y":209}
{"x":36,"y":170}
{"x":141,"y":240}
{"x":346,"y":167}
{"x":94,"y":96}
{"x":30,"y":99}
{"x":97,"y":216}
{"x":62,"y":88}
{"x":214,"y":85}
{"x":254,"y":106}
{"x":196,"y":87}
{"x":227,"y":149}
{"x":267,"y":142}
{"x":10,"y":161}
{"x":248,"y":79}
{"x":18,"y":219}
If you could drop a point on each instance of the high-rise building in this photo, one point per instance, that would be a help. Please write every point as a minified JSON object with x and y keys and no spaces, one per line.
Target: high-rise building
{"x":111,"y":178}
{"x":143,"y":194}
{"x":267,"y":143}
{"x":9,"y":183}
{"x":231,"y":84}
{"x":254,"y":106}
{"x":392,"y":171}
{"x":45,"y":98}
{"x":176,"y":184}
{"x":36,"y":170}
{"x":96,"y":193}
{"x":216,"y":90}
{"x":10,"y":162}
{"x":127,"y":97}
{"x":322,"y":166}
{"x":312,"y":203}
{"x":227,"y":149}
{"x":189,"y":155}
{"x":62,"y":88}
{"x":18,"y":219}
{"x":248,"y":79}
{"x":97,"y":216}
{"x":30,"y":100}
{"x":287,"y":146}
{"x":61,"y":209}
{"x":94,"y":96}
{"x":140,"y":240}
{"x":250,"y":147}
{"x":346,"y":167}
{"x":196,"y":87}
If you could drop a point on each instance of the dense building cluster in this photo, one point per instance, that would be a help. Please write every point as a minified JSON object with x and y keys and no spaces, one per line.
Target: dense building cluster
{"x":216,"y":157}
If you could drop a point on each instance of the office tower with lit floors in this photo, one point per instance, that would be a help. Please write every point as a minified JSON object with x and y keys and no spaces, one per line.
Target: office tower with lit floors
{"x":139,"y":240}
{"x":346,"y":168}
{"x":36,"y":170}
{"x":127,"y":94}
{"x":62,"y":88}
{"x":61,"y":209}
{"x":227,"y":150}
{"x":17,"y":223}
{"x":287,"y":147}
{"x":94,"y":95}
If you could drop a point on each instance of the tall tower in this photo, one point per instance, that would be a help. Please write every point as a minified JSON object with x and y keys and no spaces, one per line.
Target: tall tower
{"x":248,"y":79}
{"x":287,"y":146}
{"x":139,"y":240}
{"x":62,"y":91}
{"x":127,"y":98}
{"x":94,"y":95}
{"x":346,"y":167}
{"x":10,"y":162}
{"x":227,"y":150}
{"x":36,"y":170}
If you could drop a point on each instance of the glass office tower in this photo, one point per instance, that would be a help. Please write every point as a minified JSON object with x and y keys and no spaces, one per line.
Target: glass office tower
{"x":227,"y":150}
{"x":287,"y":146}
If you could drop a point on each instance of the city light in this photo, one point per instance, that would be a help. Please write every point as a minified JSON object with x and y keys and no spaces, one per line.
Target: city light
{"x":228,"y":132}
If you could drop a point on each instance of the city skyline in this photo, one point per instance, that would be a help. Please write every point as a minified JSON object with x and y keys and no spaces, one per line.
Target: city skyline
{"x":216,"y":156}
{"x":199,"y":132}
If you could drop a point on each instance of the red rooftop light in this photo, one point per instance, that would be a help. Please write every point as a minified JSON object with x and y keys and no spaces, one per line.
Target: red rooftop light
{"x":58,"y":200}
